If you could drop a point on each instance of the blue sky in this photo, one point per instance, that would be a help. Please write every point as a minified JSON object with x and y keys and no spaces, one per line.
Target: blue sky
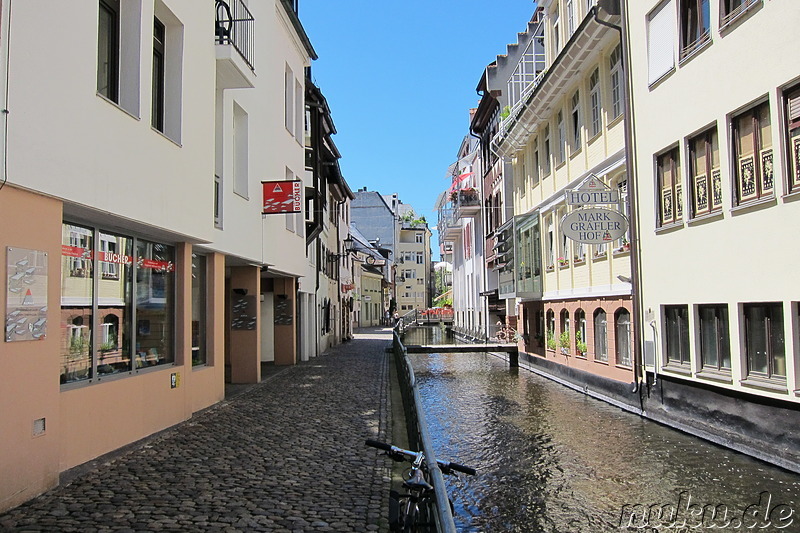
{"x":400,"y":79}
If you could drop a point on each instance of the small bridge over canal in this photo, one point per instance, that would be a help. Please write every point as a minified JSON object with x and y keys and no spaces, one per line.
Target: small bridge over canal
{"x":511,"y":349}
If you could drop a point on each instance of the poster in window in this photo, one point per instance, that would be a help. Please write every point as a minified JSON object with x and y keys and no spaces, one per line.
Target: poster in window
{"x":678,"y":201}
{"x":26,"y":295}
{"x":666,"y":205}
{"x":747,"y":178}
{"x":716,"y":186}
{"x":767,"y":171}
{"x":796,"y":159}
{"x":700,"y":193}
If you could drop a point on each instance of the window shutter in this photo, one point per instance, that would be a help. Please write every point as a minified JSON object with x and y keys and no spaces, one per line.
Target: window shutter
{"x":660,"y":41}
{"x":794,"y":107}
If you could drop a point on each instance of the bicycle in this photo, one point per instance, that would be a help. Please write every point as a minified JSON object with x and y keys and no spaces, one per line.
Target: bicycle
{"x":411,"y":511}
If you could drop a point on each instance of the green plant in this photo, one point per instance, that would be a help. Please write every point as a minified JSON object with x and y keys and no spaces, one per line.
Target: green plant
{"x":107,"y":346}
{"x":579,"y":344}
{"x":78,"y":346}
{"x":551,"y":339}
{"x":563,"y":339}
{"x":504,"y":114}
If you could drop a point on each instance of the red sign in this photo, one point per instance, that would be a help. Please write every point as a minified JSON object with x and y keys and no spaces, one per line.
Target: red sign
{"x":75,"y":251}
{"x":282,"y":196}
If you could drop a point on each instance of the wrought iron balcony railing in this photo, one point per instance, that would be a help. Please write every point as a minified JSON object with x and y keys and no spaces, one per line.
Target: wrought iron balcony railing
{"x":235,"y":26}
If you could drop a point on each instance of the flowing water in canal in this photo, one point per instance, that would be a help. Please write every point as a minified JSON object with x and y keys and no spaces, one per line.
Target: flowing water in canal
{"x":554,"y":460}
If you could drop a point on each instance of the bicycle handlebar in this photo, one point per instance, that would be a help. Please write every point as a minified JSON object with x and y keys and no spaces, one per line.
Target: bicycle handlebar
{"x":446,"y":467}
{"x":379,"y":445}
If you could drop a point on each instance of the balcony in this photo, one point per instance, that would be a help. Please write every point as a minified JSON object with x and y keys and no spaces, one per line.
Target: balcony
{"x":234,"y":33}
{"x":467,"y":203}
{"x":449,"y":228}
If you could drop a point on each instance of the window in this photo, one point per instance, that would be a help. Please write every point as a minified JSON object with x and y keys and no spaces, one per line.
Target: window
{"x":562,"y":138}
{"x":752,"y":146}
{"x":580,"y":332}
{"x":600,"y":336}
{"x":551,"y":342}
{"x":715,"y":352}
{"x":288,"y":96}
{"x":199,"y":317}
{"x":792,"y":104}
{"x":77,"y":294}
{"x":622,"y":319}
{"x":556,"y":30}
{"x":625,"y":207}
{"x":418,"y":238}
{"x":660,"y":41}
{"x":563,"y":340}
{"x":167,"y":84}
{"x":695,"y":25}
{"x":535,"y":163}
{"x":420,"y":258}
{"x":157,"y":111}
{"x":733,"y":9}
{"x":705,"y":184}
{"x":299,"y":111}
{"x":594,"y":98}
{"x":617,"y":91}
{"x":570,"y":17}
{"x":669,"y":187}
{"x":546,"y":153}
{"x":108,"y":50}
{"x":676,"y":334}
{"x":576,"y":121}
{"x":240,"y":152}
{"x":764,"y":341}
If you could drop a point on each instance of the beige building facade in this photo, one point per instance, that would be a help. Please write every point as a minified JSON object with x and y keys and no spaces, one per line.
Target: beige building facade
{"x":564,"y":130}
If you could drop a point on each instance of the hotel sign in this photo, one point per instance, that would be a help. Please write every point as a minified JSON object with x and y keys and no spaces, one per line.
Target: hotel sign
{"x":282,"y":197}
{"x":594,"y":225}
{"x":592,"y":191}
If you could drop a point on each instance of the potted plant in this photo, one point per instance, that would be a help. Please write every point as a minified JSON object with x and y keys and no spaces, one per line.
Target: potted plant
{"x":563,"y":262}
{"x":551,"y":340}
{"x":580,"y":346}
{"x":563,"y":341}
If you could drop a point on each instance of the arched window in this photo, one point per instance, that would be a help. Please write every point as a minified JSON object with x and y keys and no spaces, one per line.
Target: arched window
{"x":580,"y":333}
{"x":622,"y":319}
{"x":110,"y":327}
{"x":563,"y":339}
{"x":600,"y":336}
{"x":550,"y":340}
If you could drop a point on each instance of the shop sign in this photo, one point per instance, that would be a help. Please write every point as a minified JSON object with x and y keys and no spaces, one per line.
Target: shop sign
{"x":282,"y":197}
{"x":594,"y":225}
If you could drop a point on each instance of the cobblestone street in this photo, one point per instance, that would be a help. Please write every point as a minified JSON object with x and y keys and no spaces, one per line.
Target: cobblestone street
{"x":285,"y":455}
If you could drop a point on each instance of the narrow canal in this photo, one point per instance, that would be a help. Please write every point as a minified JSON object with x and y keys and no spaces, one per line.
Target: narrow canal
{"x":551,"y":459}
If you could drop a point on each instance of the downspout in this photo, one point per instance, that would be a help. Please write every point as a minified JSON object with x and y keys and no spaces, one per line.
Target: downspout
{"x":638,"y":367}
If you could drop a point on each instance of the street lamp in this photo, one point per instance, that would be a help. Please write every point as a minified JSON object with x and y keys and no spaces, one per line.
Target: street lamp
{"x":348,"y":247}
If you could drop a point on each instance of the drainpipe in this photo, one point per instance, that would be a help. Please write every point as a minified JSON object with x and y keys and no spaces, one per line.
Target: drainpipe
{"x":638,"y":366}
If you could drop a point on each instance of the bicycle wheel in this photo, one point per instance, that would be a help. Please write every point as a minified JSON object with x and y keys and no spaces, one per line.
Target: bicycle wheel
{"x":408,"y":516}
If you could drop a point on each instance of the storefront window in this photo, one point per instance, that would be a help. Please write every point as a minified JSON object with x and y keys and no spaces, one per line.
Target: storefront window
{"x":155,"y":303}
{"x":114,"y":304}
{"x":97,"y":312}
{"x":198,"y":310}
{"x":77,"y":287}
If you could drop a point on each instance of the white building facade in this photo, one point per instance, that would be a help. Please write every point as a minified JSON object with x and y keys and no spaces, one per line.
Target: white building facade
{"x":716,"y":99}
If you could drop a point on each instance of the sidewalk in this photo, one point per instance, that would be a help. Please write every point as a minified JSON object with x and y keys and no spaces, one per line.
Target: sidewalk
{"x":285,"y":455}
